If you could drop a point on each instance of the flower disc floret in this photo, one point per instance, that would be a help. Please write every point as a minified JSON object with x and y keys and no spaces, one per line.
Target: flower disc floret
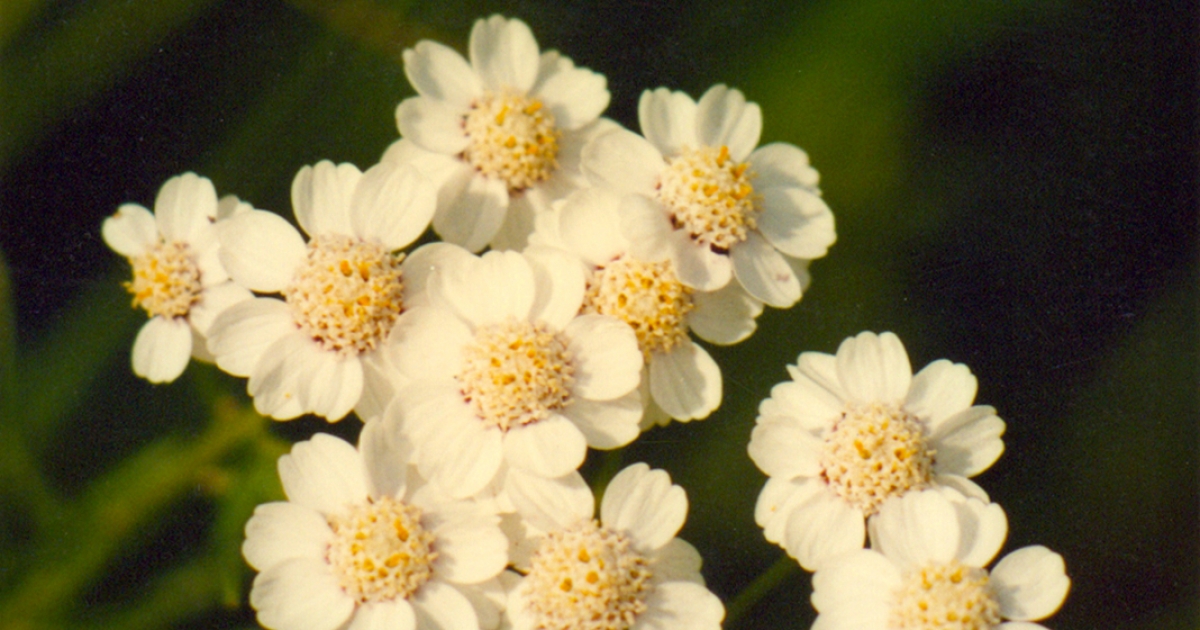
{"x":166,"y":280}
{"x":874,"y":452}
{"x":511,"y":137}
{"x":380,"y":551}
{"x":646,"y":295}
{"x":516,"y":373}
{"x":709,"y":195}
{"x":347,"y":293}
{"x":587,"y":577}
{"x":949,"y":596}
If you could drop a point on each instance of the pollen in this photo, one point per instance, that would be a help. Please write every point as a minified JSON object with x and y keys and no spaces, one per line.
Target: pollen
{"x":949,"y":596}
{"x":646,"y":295}
{"x":380,"y":550}
{"x":586,"y":577}
{"x":166,"y":280}
{"x":346,"y":295}
{"x":512,"y":138}
{"x":710,"y":196}
{"x":874,"y":452}
{"x":516,"y":373}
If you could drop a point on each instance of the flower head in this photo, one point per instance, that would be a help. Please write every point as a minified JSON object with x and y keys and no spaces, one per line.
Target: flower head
{"x":852,"y":431}
{"x":500,"y":134}
{"x":723,"y":208}
{"x":178,"y":279}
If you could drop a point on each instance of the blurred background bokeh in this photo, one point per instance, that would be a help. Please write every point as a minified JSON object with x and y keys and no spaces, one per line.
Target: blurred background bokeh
{"x":1015,"y":187}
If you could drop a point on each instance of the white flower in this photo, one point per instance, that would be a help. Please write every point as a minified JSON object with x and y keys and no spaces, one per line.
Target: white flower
{"x":725,"y":211}
{"x":501,"y":135}
{"x":926,"y":570}
{"x":356,"y":545}
{"x":500,"y":370}
{"x":342,"y":290}
{"x":177,"y":276}
{"x":624,"y":571}
{"x":631,"y":280}
{"x":851,"y":431}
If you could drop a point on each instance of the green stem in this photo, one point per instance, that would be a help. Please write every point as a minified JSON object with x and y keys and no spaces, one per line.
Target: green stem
{"x":744,"y":601}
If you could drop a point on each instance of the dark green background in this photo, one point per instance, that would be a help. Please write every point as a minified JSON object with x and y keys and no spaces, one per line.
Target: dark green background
{"x":1014,"y":185}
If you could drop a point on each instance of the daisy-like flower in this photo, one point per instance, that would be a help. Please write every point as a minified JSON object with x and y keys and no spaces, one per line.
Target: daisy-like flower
{"x":501,"y":371}
{"x":342,"y":290}
{"x":358,"y":544}
{"x":926,"y":569}
{"x":178,"y":278}
{"x":851,"y":431}
{"x":631,"y":280}
{"x":623,"y":571}
{"x":501,"y":134}
{"x":726,"y":209}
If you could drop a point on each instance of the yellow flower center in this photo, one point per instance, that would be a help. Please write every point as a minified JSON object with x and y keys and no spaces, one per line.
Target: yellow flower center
{"x":945,"y":597}
{"x":347,"y":293}
{"x":646,"y":295}
{"x":516,"y":373}
{"x":380,"y":551}
{"x":586,"y":577}
{"x":710,"y":196}
{"x":166,"y":280}
{"x":874,"y":452}
{"x":513,"y":138}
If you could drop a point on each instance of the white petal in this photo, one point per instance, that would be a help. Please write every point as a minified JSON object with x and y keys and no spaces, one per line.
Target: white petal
{"x":453,"y":447}
{"x":796,"y":222}
{"x":427,"y":343}
{"x":162,"y":349}
{"x":590,"y":225}
{"x":561,"y":285}
{"x":968,"y":442}
{"x":421,"y":263}
{"x":432,"y":125}
{"x":821,"y":368}
{"x":260,"y":250}
{"x":551,"y":448}
{"x":784,"y":449}
{"x":985,"y":526}
{"x":940,"y":390}
{"x":725,"y":316}
{"x":778,"y":499}
{"x":685,"y":382}
{"x":961,"y":485}
{"x":874,"y":368}
{"x":283,"y":530}
{"x":437,"y":72}
{"x":570,"y":149}
{"x":782,"y":164}
{"x":676,"y":561}
{"x":230,"y":205}
{"x":325,"y":474}
{"x":575,"y":96}
{"x":469,"y":551}
{"x":397,"y":614}
{"x":607,"y":424}
{"x":823,"y":527}
{"x":130,"y":231}
{"x":803,"y":402}
{"x":285,"y":370}
{"x":917,"y":528}
{"x":334,"y":388}
{"x":385,"y":459}
{"x":550,"y":503}
{"x":645,"y":504}
{"x":668,"y":120}
{"x":647,"y":226}
{"x":622,"y":161}
{"x":491,"y":288}
{"x":184,"y":208}
{"x":724,"y":118}
{"x":699,"y":267}
{"x":300,"y":594}
{"x":607,"y":361}
{"x":213,"y":301}
{"x":518,"y":222}
{"x":855,"y":580}
{"x":504,"y":53}
{"x":1021,"y":625}
{"x":675,"y":605}
{"x":471,"y":209}
{"x":764,"y":273}
{"x":392,"y":204}
{"x":240,"y":335}
{"x":321,"y":197}
{"x":1031,"y":583}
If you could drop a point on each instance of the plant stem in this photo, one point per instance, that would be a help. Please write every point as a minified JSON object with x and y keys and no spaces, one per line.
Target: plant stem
{"x":744,"y":601}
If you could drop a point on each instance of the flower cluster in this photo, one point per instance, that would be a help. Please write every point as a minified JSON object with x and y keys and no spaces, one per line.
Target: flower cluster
{"x":482,"y":379}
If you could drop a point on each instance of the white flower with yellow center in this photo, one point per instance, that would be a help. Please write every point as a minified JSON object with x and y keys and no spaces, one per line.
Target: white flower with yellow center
{"x":500,"y":371}
{"x":623,"y":571}
{"x":342,"y":290}
{"x":926,"y":569}
{"x":178,"y":278}
{"x":501,"y":134}
{"x":851,"y":431}
{"x":358,"y":544}
{"x":631,"y":280}
{"x":723,"y":208}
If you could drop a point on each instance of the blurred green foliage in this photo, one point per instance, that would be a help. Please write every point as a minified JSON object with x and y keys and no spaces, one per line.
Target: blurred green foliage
{"x":1014,"y":184}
